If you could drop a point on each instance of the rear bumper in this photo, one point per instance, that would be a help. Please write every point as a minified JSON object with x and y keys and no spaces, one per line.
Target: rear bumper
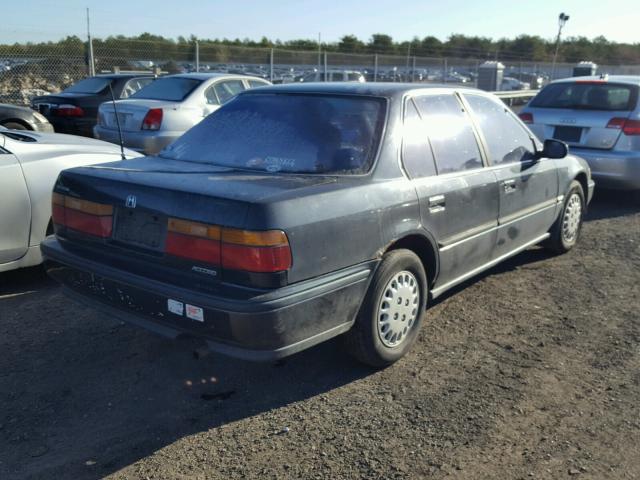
{"x":145,"y":141}
{"x":611,"y":169}
{"x":72,"y":126}
{"x":263,"y":325}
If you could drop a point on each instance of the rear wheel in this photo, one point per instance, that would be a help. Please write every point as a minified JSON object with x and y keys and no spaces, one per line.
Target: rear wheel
{"x":14,"y":126}
{"x":389,"y":320}
{"x":566,"y":230}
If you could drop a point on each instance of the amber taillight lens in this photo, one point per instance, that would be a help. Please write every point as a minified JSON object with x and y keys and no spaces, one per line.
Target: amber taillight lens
{"x":82,"y":215}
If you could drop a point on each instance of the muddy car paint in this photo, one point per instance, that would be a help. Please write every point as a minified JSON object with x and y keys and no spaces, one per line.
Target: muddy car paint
{"x":338,"y":226}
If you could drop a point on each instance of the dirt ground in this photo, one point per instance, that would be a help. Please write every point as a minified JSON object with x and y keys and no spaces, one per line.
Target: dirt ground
{"x":529,"y":371}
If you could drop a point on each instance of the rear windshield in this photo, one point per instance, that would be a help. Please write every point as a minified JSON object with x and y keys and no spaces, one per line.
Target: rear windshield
{"x":89,"y":85}
{"x":287,"y":133}
{"x":587,"y":96}
{"x":172,"y":89}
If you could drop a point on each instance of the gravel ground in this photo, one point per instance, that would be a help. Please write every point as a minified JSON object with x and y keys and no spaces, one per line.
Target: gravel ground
{"x":529,"y":371}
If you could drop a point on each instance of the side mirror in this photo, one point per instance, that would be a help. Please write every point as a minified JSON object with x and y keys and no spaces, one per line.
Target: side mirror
{"x":553,"y":149}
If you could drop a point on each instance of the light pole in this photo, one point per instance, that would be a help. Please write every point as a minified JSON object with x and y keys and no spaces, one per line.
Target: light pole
{"x":562,"y":20}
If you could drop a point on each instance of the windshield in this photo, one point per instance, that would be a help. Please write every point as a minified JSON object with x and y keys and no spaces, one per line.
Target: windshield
{"x":172,"y":89}
{"x":587,"y":95}
{"x":287,"y":133}
{"x":89,"y":85}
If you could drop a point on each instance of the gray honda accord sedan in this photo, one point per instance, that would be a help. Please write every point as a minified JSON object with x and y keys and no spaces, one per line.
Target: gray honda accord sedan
{"x":297,"y":213}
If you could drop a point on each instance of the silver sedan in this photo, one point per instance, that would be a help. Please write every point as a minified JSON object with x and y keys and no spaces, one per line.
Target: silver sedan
{"x":162,"y":111}
{"x":29,"y":166}
{"x":599,"y":118}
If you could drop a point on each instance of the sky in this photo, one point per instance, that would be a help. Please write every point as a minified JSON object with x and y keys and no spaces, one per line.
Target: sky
{"x":42,"y":20}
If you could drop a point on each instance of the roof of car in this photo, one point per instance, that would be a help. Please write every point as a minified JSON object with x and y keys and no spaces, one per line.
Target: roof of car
{"x":125,"y":75}
{"x":378,"y":89}
{"x":630,"y":79}
{"x":207,"y":76}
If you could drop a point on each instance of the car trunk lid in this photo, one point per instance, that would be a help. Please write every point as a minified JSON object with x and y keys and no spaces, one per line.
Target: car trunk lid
{"x":131,"y":113}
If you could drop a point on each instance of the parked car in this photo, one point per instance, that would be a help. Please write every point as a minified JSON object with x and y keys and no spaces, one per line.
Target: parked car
{"x":74,"y":110}
{"x":29,"y":165}
{"x":23,"y":118}
{"x":599,"y":117}
{"x":333,"y":76}
{"x":510,"y":83}
{"x":299,"y":212}
{"x":158,"y":114}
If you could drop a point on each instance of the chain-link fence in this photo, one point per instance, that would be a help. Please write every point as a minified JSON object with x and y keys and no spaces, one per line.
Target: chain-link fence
{"x":30,"y":70}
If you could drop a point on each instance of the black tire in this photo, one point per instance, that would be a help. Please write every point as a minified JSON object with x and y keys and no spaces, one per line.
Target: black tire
{"x":364,"y":341}
{"x":559,"y":242}
{"x":15,"y":126}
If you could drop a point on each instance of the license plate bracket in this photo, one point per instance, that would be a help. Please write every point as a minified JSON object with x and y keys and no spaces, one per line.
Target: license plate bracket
{"x":568,"y":134}
{"x":140,"y":228}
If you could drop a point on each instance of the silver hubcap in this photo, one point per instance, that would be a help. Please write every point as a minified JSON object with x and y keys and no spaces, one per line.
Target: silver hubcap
{"x":398,"y":308}
{"x":572,"y":217}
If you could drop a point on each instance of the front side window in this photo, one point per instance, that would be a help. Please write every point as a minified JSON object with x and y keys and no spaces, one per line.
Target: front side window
{"x":416,"y":151}
{"x":287,"y":133}
{"x":506,"y":139}
{"x":228,"y":89}
{"x":171,"y":89}
{"x":449,"y":128}
{"x":89,"y":85}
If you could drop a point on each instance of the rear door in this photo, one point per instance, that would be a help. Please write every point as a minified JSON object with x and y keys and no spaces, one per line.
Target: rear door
{"x":528,"y":187}
{"x":458,"y":195}
{"x":583,"y":113}
{"x":15,"y":209}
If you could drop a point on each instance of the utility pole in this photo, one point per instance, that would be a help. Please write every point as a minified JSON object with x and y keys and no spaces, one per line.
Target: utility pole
{"x":319,"y":49}
{"x":562,"y":20}
{"x":92,"y":66}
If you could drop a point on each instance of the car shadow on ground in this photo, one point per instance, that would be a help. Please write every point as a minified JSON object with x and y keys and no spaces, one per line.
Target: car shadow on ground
{"x":612,"y":203}
{"x":84,"y":396}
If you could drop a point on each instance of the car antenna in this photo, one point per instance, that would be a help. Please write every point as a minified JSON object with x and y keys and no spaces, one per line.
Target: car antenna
{"x":115,"y":112}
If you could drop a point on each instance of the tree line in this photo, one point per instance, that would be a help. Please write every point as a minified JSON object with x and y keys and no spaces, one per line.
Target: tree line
{"x":521,"y":48}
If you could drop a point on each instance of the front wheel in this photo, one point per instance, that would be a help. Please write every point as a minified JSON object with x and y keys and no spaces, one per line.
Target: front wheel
{"x":566,"y":230}
{"x":389,"y":319}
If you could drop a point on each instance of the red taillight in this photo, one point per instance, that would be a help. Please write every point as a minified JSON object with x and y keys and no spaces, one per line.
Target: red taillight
{"x":82,"y":215}
{"x":526,"y":117}
{"x":628,"y":126}
{"x":68,"y":111}
{"x":153,"y":119}
{"x":250,"y":251}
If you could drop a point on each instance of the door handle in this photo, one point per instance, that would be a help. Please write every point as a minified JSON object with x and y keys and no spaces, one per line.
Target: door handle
{"x":509,"y":186}
{"x":437,"y":203}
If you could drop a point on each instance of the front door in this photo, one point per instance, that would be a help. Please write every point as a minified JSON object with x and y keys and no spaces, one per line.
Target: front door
{"x":15,"y":209}
{"x":528,"y":186}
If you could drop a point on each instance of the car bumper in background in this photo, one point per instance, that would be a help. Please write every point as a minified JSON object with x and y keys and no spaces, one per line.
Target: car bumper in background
{"x":145,"y":141}
{"x":263,"y":325}
{"x":73,"y":126}
{"x":43,"y":127}
{"x":611,"y":169}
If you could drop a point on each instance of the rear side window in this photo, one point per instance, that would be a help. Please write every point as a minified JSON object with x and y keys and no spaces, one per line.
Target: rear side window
{"x":449,"y":128}
{"x":256,"y":84}
{"x":171,"y":89}
{"x":133,"y":85}
{"x":228,"y":89}
{"x":89,"y":85}
{"x":287,"y":133}
{"x":588,"y":95}
{"x":506,"y":139}
{"x":416,"y":151}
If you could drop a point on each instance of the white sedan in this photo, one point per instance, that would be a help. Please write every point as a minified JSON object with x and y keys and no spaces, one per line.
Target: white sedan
{"x":29,"y":166}
{"x":159,"y":113}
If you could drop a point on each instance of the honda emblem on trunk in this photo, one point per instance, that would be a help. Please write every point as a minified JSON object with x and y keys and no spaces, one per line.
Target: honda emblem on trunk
{"x":131,"y":201}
